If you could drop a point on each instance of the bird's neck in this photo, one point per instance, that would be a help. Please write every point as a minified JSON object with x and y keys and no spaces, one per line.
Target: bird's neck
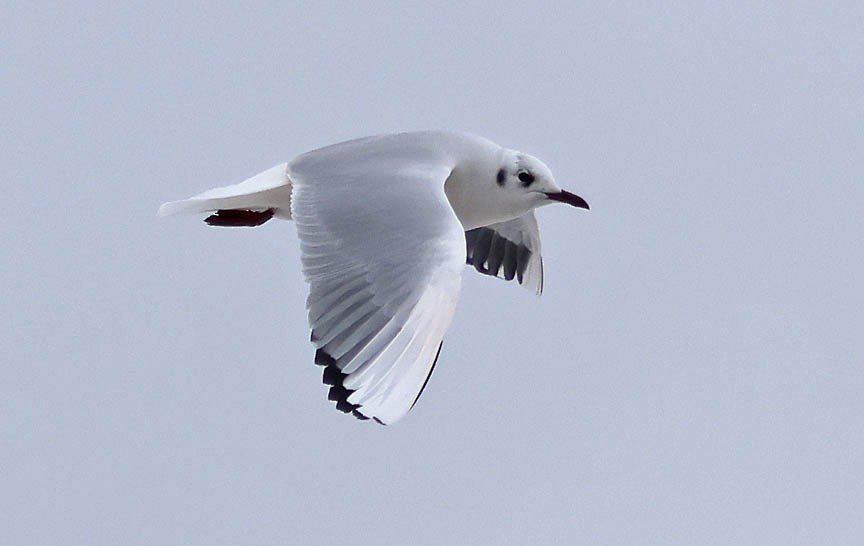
{"x":478,"y":204}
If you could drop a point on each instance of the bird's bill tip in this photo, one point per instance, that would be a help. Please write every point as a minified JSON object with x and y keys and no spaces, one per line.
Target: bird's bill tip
{"x":564,"y":196}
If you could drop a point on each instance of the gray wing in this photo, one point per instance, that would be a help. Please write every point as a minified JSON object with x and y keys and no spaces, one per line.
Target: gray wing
{"x":382,"y":252}
{"x":508,"y":250}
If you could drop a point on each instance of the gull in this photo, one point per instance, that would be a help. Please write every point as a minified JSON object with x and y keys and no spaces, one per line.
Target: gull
{"x":386,"y":224}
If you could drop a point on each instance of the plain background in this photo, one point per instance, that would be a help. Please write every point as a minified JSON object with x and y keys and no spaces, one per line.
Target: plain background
{"x":692,"y":374}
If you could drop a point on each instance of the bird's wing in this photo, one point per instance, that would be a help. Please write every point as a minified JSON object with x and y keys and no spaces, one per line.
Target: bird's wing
{"x":382,"y":251}
{"x":508,"y":250}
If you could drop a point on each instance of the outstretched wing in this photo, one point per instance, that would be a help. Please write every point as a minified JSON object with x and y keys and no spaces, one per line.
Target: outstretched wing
{"x":508,"y":250}
{"x":382,"y":251}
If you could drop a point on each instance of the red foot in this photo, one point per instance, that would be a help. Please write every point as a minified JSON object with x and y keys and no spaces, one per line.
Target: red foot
{"x":239,"y":218}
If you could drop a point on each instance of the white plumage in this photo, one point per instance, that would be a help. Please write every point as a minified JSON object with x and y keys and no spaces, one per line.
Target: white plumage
{"x":383,"y":223}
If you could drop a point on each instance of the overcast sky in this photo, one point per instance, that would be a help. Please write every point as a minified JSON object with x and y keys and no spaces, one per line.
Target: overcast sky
{"x":691,"y":375}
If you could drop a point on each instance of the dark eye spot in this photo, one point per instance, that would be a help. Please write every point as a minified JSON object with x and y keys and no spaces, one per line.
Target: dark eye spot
{"x":526,"y":178}
{"x":502,"y":177}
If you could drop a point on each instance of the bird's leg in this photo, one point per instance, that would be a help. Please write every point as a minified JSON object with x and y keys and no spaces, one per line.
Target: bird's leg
{"x":239,"y":218}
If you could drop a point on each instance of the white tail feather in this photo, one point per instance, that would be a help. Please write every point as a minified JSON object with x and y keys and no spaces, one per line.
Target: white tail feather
{"x":270,"y":189}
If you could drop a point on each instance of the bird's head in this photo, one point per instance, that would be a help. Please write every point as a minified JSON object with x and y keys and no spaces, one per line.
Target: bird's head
{"x":501,"y":186}
{"x":526,"y":181}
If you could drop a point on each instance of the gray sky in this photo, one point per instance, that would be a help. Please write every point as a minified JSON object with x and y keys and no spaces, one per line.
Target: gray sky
{"x":692,"y":374}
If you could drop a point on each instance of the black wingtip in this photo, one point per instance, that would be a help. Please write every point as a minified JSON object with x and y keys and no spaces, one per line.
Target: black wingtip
{"x":334,"y":377}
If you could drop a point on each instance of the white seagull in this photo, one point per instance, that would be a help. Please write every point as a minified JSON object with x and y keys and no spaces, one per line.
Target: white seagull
{"x":385,"y":225}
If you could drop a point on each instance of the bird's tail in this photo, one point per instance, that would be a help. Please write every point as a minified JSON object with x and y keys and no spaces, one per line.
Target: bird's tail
{"x":249,"y":203}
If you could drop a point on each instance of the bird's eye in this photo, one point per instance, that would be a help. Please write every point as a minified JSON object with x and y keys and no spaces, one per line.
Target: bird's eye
{"x":526,"y":178}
